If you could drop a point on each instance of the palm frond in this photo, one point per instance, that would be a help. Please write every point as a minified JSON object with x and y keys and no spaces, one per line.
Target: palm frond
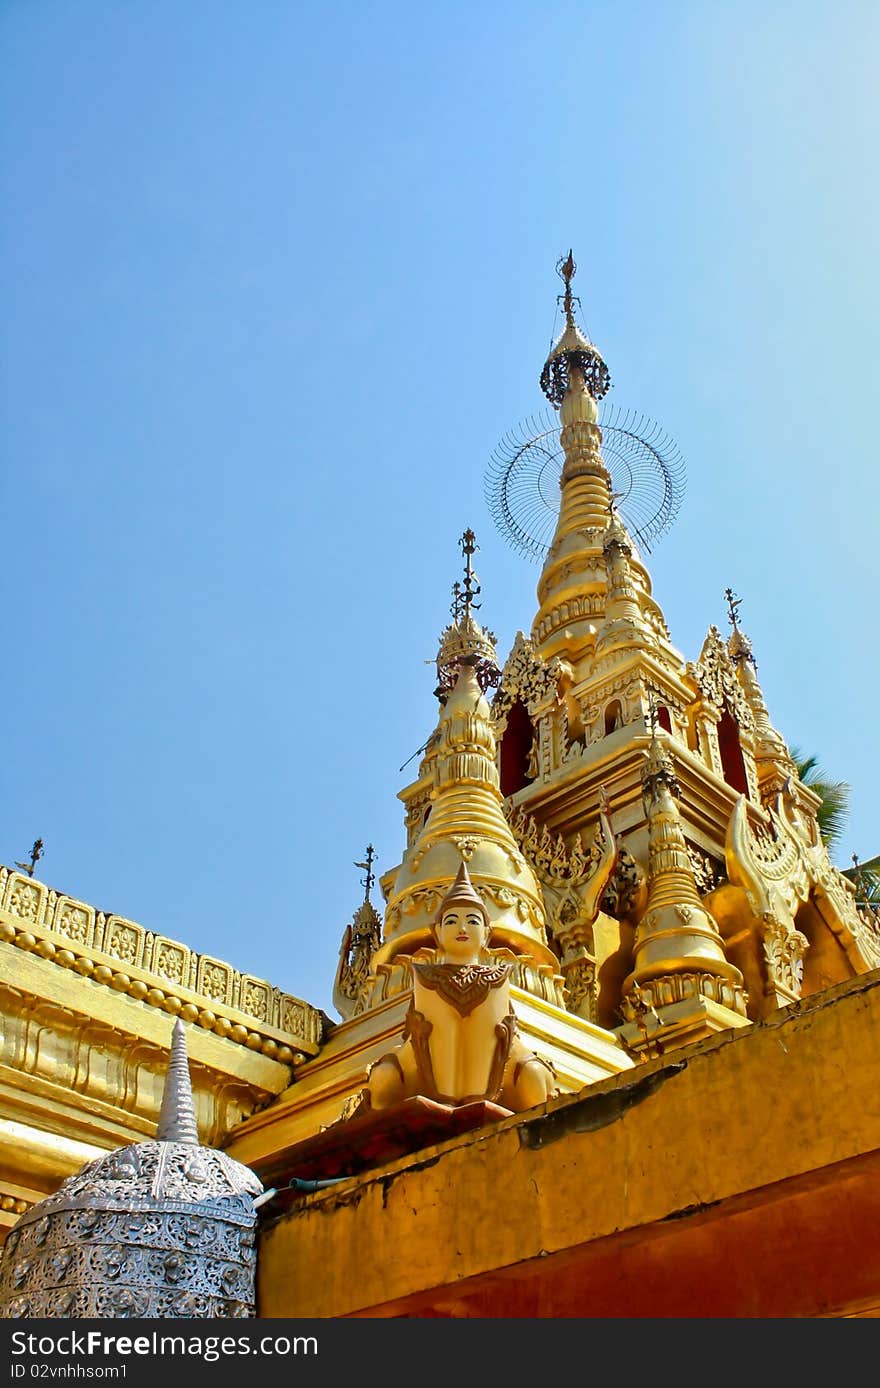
{"x":833,"y":810}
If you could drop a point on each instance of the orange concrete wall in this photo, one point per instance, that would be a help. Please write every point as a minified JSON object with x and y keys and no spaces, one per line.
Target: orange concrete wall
{"x":715,"y":1152}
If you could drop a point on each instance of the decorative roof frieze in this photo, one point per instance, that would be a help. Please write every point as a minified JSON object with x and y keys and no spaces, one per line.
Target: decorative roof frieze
{"x":160,"y":972}
{"x":527,"y":677}
{"x":782,"y":862}
{"x":715,"y":676}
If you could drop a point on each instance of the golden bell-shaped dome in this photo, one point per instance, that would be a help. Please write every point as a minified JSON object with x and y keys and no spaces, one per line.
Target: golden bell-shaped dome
{"x":466,"y":821}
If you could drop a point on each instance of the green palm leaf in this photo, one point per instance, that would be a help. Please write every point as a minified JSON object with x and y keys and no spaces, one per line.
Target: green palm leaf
{"x":834,"y":796}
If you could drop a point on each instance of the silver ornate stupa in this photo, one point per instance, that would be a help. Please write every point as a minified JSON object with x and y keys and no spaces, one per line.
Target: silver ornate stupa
{"x":164,"y":1228}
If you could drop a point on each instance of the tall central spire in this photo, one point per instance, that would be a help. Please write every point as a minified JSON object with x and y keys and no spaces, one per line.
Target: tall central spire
{"x":574,"y":380}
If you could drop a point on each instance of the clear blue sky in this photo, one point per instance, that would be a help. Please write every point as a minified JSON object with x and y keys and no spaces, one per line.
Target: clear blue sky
{"x":276,"y":278}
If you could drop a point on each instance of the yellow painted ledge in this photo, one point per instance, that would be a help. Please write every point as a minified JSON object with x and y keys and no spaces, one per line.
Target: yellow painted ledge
{"x":759,"y":1147}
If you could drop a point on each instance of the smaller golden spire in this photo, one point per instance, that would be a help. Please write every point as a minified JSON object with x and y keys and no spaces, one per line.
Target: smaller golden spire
{"x":624,"y":626}
{"x":773,"y":761}
{"x":360,"y":941}
{"x":464,"y":641}
{"x":466,"y":821}
{"x":678,"y":950}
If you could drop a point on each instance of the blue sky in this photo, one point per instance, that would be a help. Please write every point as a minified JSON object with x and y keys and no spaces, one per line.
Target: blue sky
{"x":277,"y":278}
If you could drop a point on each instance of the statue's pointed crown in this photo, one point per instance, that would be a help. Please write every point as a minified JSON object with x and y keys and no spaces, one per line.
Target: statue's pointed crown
{"x":463,"y":893}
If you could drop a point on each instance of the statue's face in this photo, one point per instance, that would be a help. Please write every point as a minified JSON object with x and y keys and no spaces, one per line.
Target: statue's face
{"x":461,"y":934}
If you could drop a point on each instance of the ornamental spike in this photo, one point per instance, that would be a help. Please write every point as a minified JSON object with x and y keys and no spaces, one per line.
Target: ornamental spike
{"x":177,"y":1117}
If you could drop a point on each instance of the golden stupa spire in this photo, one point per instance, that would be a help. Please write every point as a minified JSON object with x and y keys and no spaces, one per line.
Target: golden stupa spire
{"x":625,"y":623}
{"x":678,"y":953}
{"x":464,"y":639}
{"x":574,"y":379}
{"x":464,"y":819}
{"x":773,"y":761}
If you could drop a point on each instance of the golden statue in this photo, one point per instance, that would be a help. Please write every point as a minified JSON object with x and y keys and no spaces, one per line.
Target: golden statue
{"x":460,"y":1043}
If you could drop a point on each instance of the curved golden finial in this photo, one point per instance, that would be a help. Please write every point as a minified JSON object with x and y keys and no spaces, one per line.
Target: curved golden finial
{"x":464,"y":641}
{"x":738,"y":645}
{"x":370,"y":878}
{"x":567,"y":269}
{"x":470,"y":589}
{"x":574,"y":364}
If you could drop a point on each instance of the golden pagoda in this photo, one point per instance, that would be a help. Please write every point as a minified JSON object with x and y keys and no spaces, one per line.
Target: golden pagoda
{"x":680,"y":953}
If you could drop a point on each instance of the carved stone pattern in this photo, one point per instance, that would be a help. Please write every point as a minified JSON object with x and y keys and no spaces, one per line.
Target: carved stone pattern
{"x":122,"y":942}
{"x":505,"y":897}
{"x":255,"y":999}
{"x":623,"y":889}
{"x":172,"y":964}
{"x":573,"y":609}
{"x":158,"y":1229}
{"x":425,"y":899}
{"x":171,"y":961}
{"x":25,"y":900}
{"x":708,"y":871}
{"x":74,"y":921}
{"x":293,"y":1018}
{"x":777,"y":855}
{"x":553,"y":861}
{"x":656,"y":621}
{"x":361,"y":940}
{"x":659,"y":992}
{"x":525,"y":677}
{"x":467,"y":845}
{"x":784,"y":951}
{"x":581,"y":989}
{"x":600,"y":695}
{"x":715,"y":674}
{"x":215,"y":980}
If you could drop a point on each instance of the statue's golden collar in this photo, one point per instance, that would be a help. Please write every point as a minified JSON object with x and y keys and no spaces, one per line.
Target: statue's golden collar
{"x":464,"y":986}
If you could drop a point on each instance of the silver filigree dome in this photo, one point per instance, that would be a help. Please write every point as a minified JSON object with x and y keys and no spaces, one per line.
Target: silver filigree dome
{"x":163,"y":1228}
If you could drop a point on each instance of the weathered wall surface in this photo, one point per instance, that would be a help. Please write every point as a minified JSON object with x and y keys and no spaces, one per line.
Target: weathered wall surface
{"x":736,"y":1177}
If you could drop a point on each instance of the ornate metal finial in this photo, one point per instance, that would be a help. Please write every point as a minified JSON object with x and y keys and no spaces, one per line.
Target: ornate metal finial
{"x":471,"y":587}
{"x":36,"y":855}
{"x":456,"y":607}
{"x":177,"y":1117}
{"x":465,"y":641}
{"x":733,"y":606}
{"x":566,"y":269}
{"x":739,"y":645}
{"x":859,"y":877}
{"x":367,"y":882}
{"x":573,"y":358}
{"x":651,"y":719}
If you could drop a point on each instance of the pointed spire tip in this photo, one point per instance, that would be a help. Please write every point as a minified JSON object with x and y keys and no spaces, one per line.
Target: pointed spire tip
{"x":177,"y":1117}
